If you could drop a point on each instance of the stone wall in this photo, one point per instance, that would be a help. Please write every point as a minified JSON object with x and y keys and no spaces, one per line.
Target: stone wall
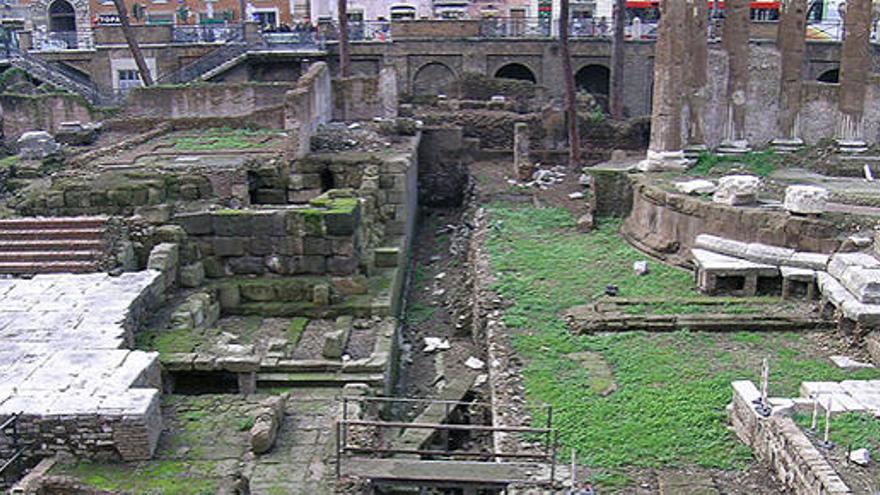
{"x":203,"y":100}
{"x":818,"y":114}
{"x":666,"y":224}
{"x":323,"y":238}
{"x":22,"y":113}
{"x":307,"y":106}
{"x":434,"y":29}
{"x":106,"y":437}
{"x":365,"y":97}
{"x":443,"y":176}
{"x":778,"y":442}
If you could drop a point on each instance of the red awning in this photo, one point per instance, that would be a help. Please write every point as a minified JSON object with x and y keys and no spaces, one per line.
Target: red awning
{"x":651,"y":4}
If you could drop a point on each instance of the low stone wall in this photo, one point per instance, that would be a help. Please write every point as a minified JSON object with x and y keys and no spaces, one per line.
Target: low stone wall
{"x":779,"y":442}
{"x":666,"y":224}
{"x":323,"y":238}
{"x":22,"y":113}
{"x":203,"y":100}
{"x":306,"y":107}
{"x":105,"y":436}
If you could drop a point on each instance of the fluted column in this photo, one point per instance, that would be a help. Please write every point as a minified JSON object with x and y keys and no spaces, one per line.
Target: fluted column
{"x":792,"y":43}
{"x":736,"y":44}
{"x":697,"y":63}
{"x":855,"y":64}
{"x":665,"y":148}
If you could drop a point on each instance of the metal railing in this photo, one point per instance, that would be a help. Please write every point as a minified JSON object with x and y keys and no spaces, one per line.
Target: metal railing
{"x":15,"y":445}
{"x":345,"y":446}
{"x":357,"y":31}
{"x":234,"y":47}
{"x":208,"y":33}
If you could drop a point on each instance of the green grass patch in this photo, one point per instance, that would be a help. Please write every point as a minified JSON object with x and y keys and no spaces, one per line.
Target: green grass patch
{"x":221,"y":139}
{"x":297,"y":327}
{"x":418,"y":313}
{"x":760,"y":163}
{"x":672,"y":388}
{"x":149,"y":478}
{"x":856,"y":430}
{"x":246,"y":424}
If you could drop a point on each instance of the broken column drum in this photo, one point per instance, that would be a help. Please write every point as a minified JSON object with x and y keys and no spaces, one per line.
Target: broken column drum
{"x":665,"y":149}
{"x":736,"y":45}
{"x":855,"y":64}
{"x":792,"y":46}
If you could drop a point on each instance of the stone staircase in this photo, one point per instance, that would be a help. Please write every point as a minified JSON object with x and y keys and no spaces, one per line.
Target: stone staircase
{"x":51,"y":245}
{"x":55,"y":74}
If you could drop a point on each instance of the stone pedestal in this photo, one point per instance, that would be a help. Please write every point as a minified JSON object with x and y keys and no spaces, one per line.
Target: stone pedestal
{"x":734,"y":147}
{"x":522,"y":164}
{"x":659,"y":161}
{"x":787,"y":145}
{"x":693,"y":151}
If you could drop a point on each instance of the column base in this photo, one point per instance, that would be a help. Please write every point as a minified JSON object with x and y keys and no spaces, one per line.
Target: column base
{"x":787,"y":145}
{"x":661,"y":161}
{"x":730,"y":147}
{"x":693,"y":151}
{"x":851,"y":146}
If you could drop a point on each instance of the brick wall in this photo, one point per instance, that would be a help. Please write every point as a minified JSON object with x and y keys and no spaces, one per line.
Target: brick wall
{"x":22,"y":113}
{"x":779,"y":442}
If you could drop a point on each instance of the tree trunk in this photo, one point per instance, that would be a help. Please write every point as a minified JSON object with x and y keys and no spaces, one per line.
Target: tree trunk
{"x":618,"y":59}
{"x":146,"y":76}
{"x":344,"y":61}
{"x":574,"y":144}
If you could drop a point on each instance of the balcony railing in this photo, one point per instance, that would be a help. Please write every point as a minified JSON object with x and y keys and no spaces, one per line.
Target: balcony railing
{"x":210,"y":33}
{"x":357,"y":31}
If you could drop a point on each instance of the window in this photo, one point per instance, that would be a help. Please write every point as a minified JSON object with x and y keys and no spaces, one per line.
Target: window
{"x":128,"y":79}
{"x":160,"y":18}
{"x":266,"y":17}
{"x":403,"y":13}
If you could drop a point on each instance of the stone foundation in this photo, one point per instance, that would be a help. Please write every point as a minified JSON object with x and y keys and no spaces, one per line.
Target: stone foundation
{"x":778,"y":442}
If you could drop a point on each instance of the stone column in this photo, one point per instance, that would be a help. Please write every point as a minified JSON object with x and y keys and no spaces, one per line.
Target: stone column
{"x":855,"y":64}
{"x":735,"y":41}
{"x":697,"y":63}
{"x":665,"y":149}
{"x":522,"y":164}
{"x":792,"y":46}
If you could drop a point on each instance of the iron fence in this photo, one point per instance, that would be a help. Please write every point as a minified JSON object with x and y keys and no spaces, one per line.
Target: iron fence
{"x":14,"y":444}
{"x":209,"y":33}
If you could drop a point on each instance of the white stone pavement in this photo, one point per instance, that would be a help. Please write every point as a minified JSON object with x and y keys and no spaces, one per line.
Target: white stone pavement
{"x":62,"y":345}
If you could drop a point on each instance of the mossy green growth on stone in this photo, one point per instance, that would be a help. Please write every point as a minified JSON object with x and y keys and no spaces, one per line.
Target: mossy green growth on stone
{"x":9,"y":161}
{"x":168,"y":341}
{"x":150,"y":478}
{"x":297,"y":327}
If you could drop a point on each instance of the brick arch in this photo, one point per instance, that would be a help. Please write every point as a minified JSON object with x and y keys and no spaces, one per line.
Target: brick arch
{"x":433,"y":78}
{"x":516,"y":70}
{"x":40,"y":15}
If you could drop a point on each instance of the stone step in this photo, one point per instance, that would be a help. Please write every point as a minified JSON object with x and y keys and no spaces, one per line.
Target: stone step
{"x":52,"y":223}
{"x":48,"y":267}
{"x":51,"y":245}
{"x":40,"y":256}
{"x":51,"y":234}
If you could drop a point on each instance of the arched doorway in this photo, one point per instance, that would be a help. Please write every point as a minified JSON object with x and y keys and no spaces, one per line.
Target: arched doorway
{"x":62,"y":23}
{"x":434,"y":79}
{"x":516,"y":71}
{"x":594,"y":79}
{"x":829,"y":76}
